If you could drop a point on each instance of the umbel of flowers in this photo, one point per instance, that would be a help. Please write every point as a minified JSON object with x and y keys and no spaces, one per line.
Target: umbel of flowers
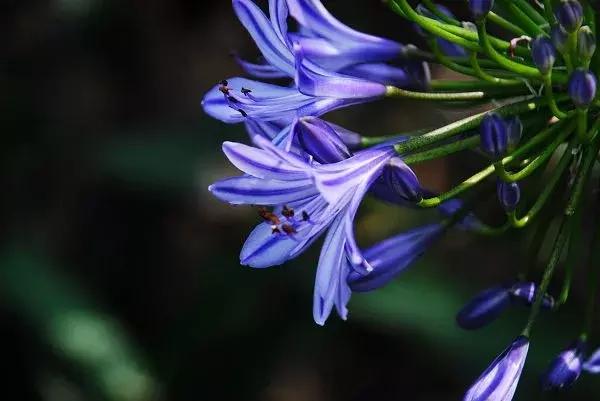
{"x":539,"y":142}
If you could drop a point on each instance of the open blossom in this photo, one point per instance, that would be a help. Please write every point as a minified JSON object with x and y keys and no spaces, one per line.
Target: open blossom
{"x":308,"y":198}
{"x":318,"y":88}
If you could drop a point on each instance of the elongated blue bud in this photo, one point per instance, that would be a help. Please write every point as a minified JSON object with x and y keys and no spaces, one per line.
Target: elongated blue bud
{"x":566,"y":368}
{"x":526,"y":292}
{"x":543,"y":54}
{"x":514,"y":128}
{"x":509,"y":195}
{"x":500,"y":379}
{"x":402,"y":180}
{"x":559,"y":38}
{"x":586,"y":43}
{"x":582,"y":87}
{"x":484,"y":308}
{"x":569,"y":14}
{"x":494,"y":135}
{"x":320,"y":140}
{"x":480,"y":8}
{"x":592,"y":364}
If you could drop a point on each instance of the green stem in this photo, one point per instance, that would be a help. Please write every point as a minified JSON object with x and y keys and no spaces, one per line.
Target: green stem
{"x":454,"y":34}
{"x":521,"y":69}
{"x":465,"y":124}
{"x":549,"y":92}
{"x":548,"y":10}
{"x":392,"y":91}
{"x":454,"y":85}
{"x":532,"y":28}
{"x":593,"y":279}
{"x":367,"y":141}
{"x":559,"y":244}
{"x":503,"y":23}
{"x":582,"y":118}
{"x":442,"y":151}
{"x":547,"y":191}
{"x":436,"y":11}
{"x":589,"y":157}
{"x":483,"y":174}
{"x":541,"y":158}
{"x":487,"y":77}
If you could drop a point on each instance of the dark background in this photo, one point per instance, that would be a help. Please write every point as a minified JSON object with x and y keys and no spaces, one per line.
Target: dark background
{"x":119,"y":273}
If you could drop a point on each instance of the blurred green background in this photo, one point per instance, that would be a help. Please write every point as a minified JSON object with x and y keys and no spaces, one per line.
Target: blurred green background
{"x":119,"y":273}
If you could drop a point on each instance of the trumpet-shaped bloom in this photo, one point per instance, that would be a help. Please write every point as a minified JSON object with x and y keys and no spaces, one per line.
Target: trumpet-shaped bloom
{"x":500,"y":379}
{"x":308,"y":198}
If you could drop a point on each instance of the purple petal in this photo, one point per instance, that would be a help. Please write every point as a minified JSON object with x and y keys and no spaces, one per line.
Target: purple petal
{"x":319,"y":139}
{"x":265,"y":71}
{"x":312,"y":14}
{"x":260,"y":163}
{"x":247,"y":190}
{"x":265,"y":129}
{"x":329,"y":289}
{"x":278,"y":12}
{"x":379,"y":72}
{"x":592,"y":364}
{"x":266,"y":38}
{"x":392,"y":256}
{"x":314,"y":81}
{"x":334,"y":181}
{"x":500,"y":379}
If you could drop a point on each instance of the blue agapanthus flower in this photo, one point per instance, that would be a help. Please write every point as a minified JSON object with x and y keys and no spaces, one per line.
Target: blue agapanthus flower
{"x":537,"y":139}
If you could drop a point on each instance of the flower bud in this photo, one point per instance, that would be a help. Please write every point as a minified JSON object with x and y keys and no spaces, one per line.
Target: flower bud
{"x":514,"y":128}
{"x":402,"y":180}
{"x":493,"y":134}
{"x":582,"y":87}
{"x":586,"y":43}
{"x":592,"y":364}
{"x":569,"y":14}
{"x":559,"y":38}
{"x":509,"y":195}
{"x":499,"y":381}
{"x":526,"y":292}
{"x":320,"y":140}
{"x":480,"y":8}
{"x":565,"y":369}
{"x":484,"y":308}
{"x":543,"y":54}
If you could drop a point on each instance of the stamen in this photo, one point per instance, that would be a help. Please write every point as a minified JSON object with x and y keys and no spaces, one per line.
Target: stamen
{"x":288,"y":229}
{"x":246,"y":91}
{"x":287,"y":212}
{"x":305,"y":216}
{"x":269,"y":216}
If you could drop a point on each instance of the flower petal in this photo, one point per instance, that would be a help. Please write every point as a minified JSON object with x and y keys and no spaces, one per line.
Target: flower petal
{"x":265,"y":71}
{"x":261,"y":163}
{"x":312,"y":14}
{"x":312,"y":80}
{"x":266,"y":38}
{"x":247,"y":190}
{"x":329,"y":289}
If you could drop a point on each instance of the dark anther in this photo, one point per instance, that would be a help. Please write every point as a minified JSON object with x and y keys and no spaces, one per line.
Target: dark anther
{"x":224,"y":83}
{"x":275,"y":230}
{"x":305,"y":215}
{"x":287,"y":212}
{"x":268,"y":216}
{"x":224,"y":90}
{"x":243,"y":113}
{"x":288,"y":229}
{"x":245,"y":91}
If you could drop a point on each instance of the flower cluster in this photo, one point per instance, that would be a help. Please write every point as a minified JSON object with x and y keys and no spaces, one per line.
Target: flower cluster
{"x":307,"y":177}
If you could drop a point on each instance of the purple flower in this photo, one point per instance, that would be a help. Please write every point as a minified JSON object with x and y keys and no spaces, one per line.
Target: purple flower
{"x":308,"y":198}
{"x":592,"y":364}
{"x":565,"y":369}
{"x":484,"y":308}
{"x":500,"y":379}
{"x":392,"y":256}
